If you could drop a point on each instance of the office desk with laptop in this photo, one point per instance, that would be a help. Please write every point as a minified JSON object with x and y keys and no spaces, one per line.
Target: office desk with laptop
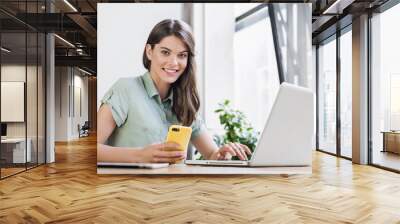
{"x":13,"y":150}
{"x":183,"y":169}
{"x":285,"y":145}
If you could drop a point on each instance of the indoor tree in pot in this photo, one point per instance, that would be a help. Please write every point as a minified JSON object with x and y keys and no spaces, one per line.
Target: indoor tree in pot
{"x":237,"y":128}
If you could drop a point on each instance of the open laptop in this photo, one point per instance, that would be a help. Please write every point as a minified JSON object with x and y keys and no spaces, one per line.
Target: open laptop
{"x":288,"y":132}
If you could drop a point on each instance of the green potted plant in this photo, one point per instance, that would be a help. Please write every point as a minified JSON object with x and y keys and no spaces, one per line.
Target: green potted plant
{"x":237,"y":128}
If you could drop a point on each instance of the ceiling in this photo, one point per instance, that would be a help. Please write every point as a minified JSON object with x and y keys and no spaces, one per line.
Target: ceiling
{"x":76,"y":22}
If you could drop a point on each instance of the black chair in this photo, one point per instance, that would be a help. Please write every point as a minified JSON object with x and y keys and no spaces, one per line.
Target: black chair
{"x":84,"y":130}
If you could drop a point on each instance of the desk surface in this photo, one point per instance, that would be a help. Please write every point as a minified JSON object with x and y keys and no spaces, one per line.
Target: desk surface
{"x":182,"y":169}
{"x":390,"y":132}
{"x":13,"y":140}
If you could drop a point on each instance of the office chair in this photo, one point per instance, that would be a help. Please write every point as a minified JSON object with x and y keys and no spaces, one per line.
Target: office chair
{"x":84,"y":130}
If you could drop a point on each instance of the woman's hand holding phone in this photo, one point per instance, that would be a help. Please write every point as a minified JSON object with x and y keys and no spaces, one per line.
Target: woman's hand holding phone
{"x":179,"y":135}
{"x":168,"y":152}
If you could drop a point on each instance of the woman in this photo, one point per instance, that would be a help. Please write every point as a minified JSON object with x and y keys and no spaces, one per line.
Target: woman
{"x":136,"y":112}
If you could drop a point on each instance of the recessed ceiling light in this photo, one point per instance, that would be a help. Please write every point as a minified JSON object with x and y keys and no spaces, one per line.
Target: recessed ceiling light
{"x":64,"y":40}
{"x":5,"y":50}
{"x":84,"y":71}
{"x":70,"y":5}
{"x":337,"y":7}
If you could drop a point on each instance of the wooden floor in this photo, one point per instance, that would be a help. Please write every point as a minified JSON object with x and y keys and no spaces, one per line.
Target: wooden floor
{"x":5,"y":172}
{"x":386,"y":159}
{"x":70,"y":191}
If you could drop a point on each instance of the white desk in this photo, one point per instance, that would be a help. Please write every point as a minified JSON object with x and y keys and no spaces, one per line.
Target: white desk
{"x":18,"y":149}
{"x":183,"y":169}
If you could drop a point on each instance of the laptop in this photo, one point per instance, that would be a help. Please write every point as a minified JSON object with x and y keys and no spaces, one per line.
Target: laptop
{"x":287,"y":136}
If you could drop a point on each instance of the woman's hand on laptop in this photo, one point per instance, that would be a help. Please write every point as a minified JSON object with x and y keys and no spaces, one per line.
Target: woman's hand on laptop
{"x":162,"y":153}
{"x":231,"y":149}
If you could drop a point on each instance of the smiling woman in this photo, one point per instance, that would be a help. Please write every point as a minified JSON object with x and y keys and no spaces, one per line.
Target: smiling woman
{"x":135,"y":114}
{"x":168,"y":55}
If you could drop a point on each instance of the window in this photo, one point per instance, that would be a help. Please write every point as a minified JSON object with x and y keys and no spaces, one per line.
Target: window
{"x":256,"y":73}
{"x":327,"y":96}
{"x":255,"y":63}
{"x":385,"y":89}
{"x":346,"y":94}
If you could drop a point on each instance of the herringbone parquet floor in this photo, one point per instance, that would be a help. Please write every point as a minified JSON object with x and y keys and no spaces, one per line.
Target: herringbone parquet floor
{"x":70,"y":191}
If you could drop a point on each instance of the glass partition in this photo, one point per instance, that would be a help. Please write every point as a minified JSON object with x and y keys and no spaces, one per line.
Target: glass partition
{"x":13,"y":95}
{"x":22,"y":88}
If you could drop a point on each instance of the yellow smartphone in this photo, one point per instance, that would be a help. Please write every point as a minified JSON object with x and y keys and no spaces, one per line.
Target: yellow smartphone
{"x":180,"y":135}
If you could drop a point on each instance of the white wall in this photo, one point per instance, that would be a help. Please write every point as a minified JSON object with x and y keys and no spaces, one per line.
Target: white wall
{"x":66,"y":119}
{"x":198,"y":26}
{"x":218,"y":78}
{"x":122,"y":31}
{"x":33,"y":126}
{"x":13,"y":98}
{"x":84,"y":84}
{"x":61,"y":103}
{"x":79,"y":117}
{"x":12,"y":73}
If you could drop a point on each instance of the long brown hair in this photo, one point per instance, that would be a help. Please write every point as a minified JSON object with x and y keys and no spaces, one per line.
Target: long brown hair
{"x":186,"y":98}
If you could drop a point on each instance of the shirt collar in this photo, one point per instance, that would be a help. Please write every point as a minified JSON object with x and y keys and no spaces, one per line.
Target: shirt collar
{"x":170,"y":97}
{"x":152,"y":90}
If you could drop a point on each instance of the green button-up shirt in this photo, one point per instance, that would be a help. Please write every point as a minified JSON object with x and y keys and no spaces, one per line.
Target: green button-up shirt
{"x":141,"y":116}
